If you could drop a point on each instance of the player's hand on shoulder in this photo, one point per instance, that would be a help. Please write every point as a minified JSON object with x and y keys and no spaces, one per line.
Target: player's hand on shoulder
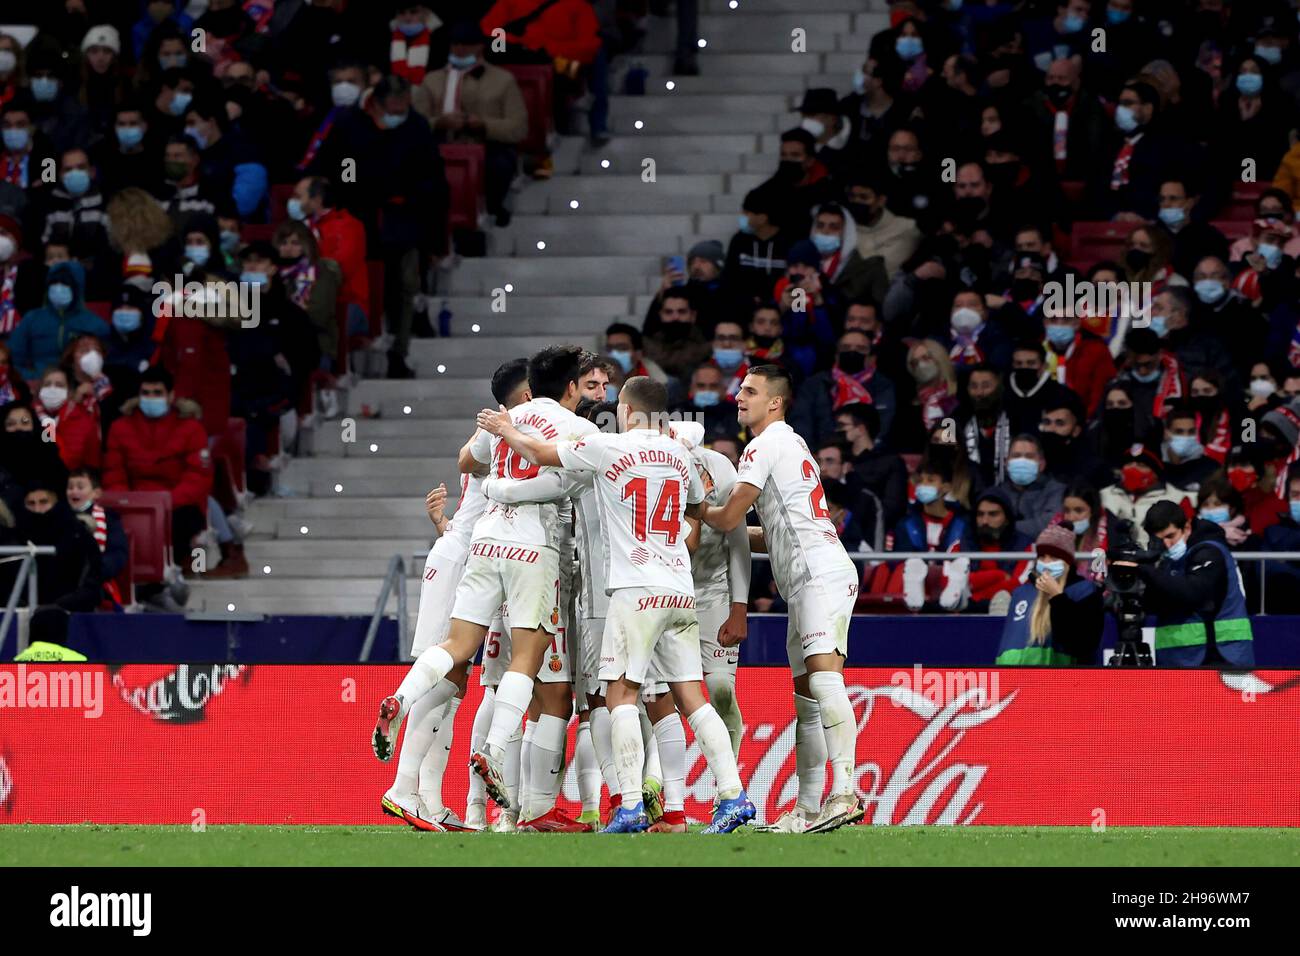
{"x":494,"y":422}
{"x":435,"y":502}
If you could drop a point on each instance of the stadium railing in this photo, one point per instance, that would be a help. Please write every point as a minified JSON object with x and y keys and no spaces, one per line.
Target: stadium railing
{"x":26,"y":556}
{"x":392,"y":579}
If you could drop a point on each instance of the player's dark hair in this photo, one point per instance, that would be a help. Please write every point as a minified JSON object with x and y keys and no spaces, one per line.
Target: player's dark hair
{"x":604,"y":414}
{"x":552,"y":369}
{"x":590,"y":362}
{"x":779,"y":382}
{"x":838,"y":444}
{"x":935,"y":466}
{"x":1162,"y":515}
{"x":838,"y":494}
{"x":644,"y":394}
{"x":507,"y":379}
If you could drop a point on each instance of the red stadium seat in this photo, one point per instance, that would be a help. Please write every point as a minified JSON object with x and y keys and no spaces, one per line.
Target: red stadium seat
{"x":125,"y":579}
{"x":465,"y":181}
{"x":147,"y":520}
{"x":535,"y":84}
{"x":1241,"y":206}
{"x":1091,"y":242}
{"x":102,"y":309}
{"x":1073,"y":190}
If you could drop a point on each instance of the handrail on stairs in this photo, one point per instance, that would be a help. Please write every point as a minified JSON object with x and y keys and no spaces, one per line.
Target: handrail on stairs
{"x":394,"y":577}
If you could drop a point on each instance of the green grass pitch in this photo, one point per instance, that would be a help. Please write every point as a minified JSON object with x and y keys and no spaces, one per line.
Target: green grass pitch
{"x":94,"y":845}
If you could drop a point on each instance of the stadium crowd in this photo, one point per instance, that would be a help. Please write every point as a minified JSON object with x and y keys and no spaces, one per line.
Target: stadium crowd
{"x":899,"y":262}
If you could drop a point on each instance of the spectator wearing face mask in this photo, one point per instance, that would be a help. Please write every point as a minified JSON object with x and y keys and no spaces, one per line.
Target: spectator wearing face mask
{"x":44,"y":333}
{"x":1282,"y":584}
{"x":1154,"y":378}
{"x":1078,"y":360}
{"x":159,"y":445}
{"x":1266,"y":276}
{"x":935,"y":398}
{"x":1069,"y":454}
{"x":1029,"y":388}
{"x":72,"y":421}
{"x":1125,"y":183}
{"x":879,"y":231}
{"x":852,"y":276}
{"x":1142,"y":483}
{"x":994,"y":529}
{"x":675,"y":340}
{"x":158,"y":16}
{"x":311,"y":282}
{"x":625,"y":345}
{"x":24,"y":454}
{"x":1082,"y":513}
{"x":471,"y":100}
{"x":933,"y":523}
{"x":1195,"y":348}
{"x":12,"y":386}
{"x":1223,"y":311}
{"x":1034,"y":494}
{"x":705,"y":398}
{"x":986,"y":430}
{"x":1251,"y":111}
{"x":340,"y":237}
{"x":22,"y":280}
{"x":1069,"y":121}
{"x":67,"y":581}
{"x":854,"y":379}
{"x":1056,"y":619}
{"x":55,"y":110}
{"x":830,"y":131}
{"x":1192,"y":238}
{"x":1220,"y":503}
{"x":802,"y":181}
{"x":973,"y":339}
{"x":756,"y":255}
{"x":880,"y":471}
{"x":875,"y":108}
{"x":915,"y":191}
{"x":73,"y":211}
{"x":85,"y":360}
{"x":231,"y":164}
{"x":1186,"y":466}
{"x":348,"y":83}
{"x":810,"y":309}
{"x":1273,"y":203}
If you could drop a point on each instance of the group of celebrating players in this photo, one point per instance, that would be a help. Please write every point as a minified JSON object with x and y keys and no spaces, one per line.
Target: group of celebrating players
{"x":600,"y":557}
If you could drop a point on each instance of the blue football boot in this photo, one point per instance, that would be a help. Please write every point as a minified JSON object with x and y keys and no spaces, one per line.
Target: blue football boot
{"x":630,"y":821}
{"x":731,"y":814}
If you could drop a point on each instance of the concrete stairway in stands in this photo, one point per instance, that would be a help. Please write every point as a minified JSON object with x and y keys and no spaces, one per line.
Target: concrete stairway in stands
{"x":713,"y":137}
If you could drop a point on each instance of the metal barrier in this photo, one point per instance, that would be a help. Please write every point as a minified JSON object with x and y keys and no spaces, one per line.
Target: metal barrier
{"x":394,"y":577}
{"x":1263,"y":557}
{"x":26,"y":554}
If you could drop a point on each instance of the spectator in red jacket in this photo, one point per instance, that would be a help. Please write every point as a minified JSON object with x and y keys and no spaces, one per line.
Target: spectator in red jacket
{"x":159,"y":445}
{"x":1078,"y":360}
{"x":73,"y":421}
{"x":339,"y":236}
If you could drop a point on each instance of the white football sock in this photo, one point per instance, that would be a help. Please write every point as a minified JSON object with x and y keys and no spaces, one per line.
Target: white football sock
{"x":629,"y":752}
{"x":841,"y":727}
{"x":588,"y":768}
{"x":420,"y":722}
{"x":526,"y":771}
{"x":510,"y":767}
{"x":722,"y":695}
{"x":478,"y":735}
{"x":514,"y":694}
{"x":711,"y":733}
{"x":425,"y":676}
{"x":671,"y":738}
{"x":604,"y":747}
{"x":652,"y":766}
{"x":809,"y":754}
{"x":547,"y":762}
{"x":434,"y":765}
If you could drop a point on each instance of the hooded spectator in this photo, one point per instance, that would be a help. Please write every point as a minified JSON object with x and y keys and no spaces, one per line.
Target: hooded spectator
{"x":44,"y":333}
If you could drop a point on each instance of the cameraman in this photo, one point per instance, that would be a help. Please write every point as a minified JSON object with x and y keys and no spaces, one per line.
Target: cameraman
{"x":1195,"y":593}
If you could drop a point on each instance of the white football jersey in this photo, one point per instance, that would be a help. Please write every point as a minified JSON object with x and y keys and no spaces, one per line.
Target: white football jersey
{"x":713,"y":565}
{"x":537,"y":524}
{"x":471,"y":506}
{"x":644,"y":480}
{"x":801,"y":540}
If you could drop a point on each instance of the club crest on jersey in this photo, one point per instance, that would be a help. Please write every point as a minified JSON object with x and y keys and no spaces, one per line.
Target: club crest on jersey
{"x":555,"y":616}
{"x":555,"y":665}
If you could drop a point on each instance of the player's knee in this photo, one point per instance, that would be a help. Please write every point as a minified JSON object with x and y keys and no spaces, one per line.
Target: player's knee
{"x":722,"y":691}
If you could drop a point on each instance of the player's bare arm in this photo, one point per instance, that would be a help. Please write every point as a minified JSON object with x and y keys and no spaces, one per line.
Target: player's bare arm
{"x":498,"y":423}
{"x":736,"y":627}
{"x":725,"y":517}
{"x":757,"y":542}
{"x":467,"y":463}
{"x":435,"y":503}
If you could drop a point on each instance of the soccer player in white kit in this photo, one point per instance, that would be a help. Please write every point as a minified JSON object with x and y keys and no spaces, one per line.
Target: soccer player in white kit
{"x":779,"y":476}
{"x":644,"y":486}
{"x":514,"y":558}
{"x":416,"y":793}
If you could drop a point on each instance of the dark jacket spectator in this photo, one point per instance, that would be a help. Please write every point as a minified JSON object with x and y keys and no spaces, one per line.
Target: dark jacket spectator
{"x":44,"y":333}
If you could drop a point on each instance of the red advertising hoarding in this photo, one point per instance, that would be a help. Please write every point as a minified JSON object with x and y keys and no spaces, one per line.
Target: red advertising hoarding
{"x":279,"y":744}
